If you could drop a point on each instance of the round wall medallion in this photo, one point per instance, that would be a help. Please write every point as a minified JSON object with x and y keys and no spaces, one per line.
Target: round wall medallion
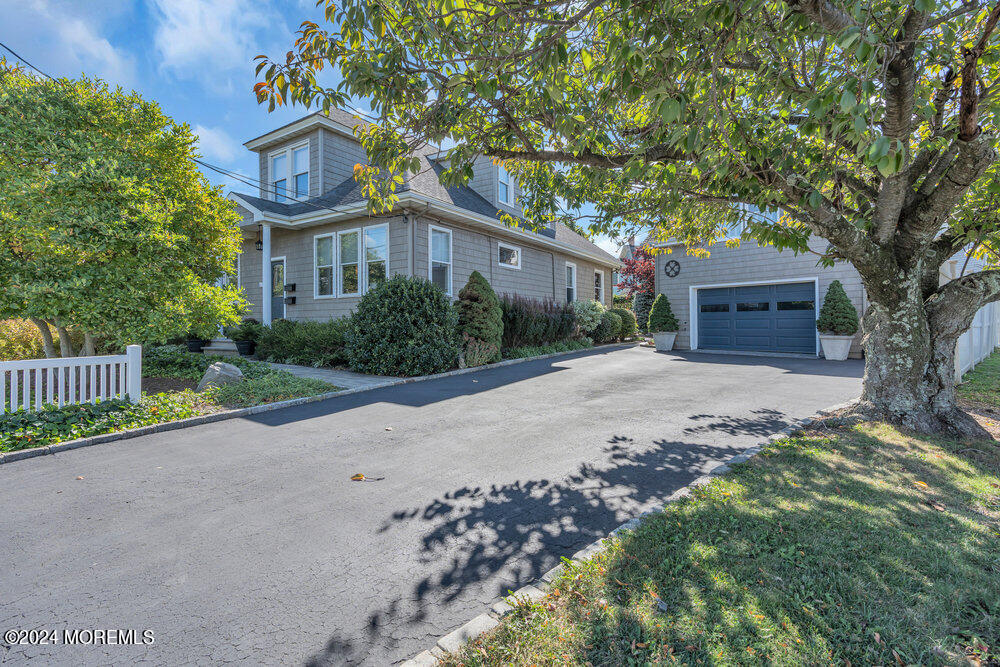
{"x":672,"y":268}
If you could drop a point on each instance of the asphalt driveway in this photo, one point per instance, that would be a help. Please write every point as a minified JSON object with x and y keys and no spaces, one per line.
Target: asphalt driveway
{"x":244,"y":540}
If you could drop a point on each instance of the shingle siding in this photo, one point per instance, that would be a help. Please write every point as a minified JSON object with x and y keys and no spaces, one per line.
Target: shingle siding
{"x":749,"y":263}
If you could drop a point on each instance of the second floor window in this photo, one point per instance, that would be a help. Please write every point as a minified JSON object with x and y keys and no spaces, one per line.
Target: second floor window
{"x":300,"y":171}
{"x":290,"y":174}
{"x":279,"y":177}
{"x":503,"y":185}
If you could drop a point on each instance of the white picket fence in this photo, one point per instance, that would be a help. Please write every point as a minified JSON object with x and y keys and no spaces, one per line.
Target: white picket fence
{"x":979,"y":341}
{"x":30,"y":384}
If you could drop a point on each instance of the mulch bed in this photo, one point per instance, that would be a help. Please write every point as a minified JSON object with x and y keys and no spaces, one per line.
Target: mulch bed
{"x":157,"y":385}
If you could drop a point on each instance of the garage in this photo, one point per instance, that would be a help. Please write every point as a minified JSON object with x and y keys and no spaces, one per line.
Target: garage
{"x":759,"y":318}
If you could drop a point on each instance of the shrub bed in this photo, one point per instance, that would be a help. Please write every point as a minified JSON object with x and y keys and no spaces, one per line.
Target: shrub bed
{"x":304,"y":343}
{"x":531,"y":322}
{"x":629,"y":326}
{"x":269,"y":388}
{"x":174,"y":361}
{"x":609,"y":328}
{"x":568,"y":345}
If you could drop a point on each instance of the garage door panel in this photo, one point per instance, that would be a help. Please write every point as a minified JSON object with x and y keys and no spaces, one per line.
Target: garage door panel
{"x":766,"y":318}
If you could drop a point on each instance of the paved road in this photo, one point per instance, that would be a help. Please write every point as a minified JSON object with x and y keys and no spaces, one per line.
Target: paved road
{"x":244,"y":540}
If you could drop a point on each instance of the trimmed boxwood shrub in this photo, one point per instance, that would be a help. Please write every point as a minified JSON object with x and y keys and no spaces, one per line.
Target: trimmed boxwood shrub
{"x":642,"y":303}
{"x":609,"y":329}
{"x":661,"y":317}
{"x":530,"y":322}
{"x":304,"y":343}
{"x":838,"y":316}
{"x":404,"y":326}
{"x":480,"y":321}
{"x":629,"y":326}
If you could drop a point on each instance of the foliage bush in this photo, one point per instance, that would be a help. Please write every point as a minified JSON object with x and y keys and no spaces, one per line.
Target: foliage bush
{"x":175,"y":361}
{"x":304,"y":343}
{"x":404,"y":326}
{"x":52,"y":424}
{"x":621,"y":301}
{"x":249,"y":329}
{"x":629,"y":325}
{"x":568,"y":345}
{"x":20,"y":339}
{"x":609,"y":329}
{"x":480,"y":321}
{"x":588,"y":315}
{"x":661,"y":317}
{"x":530,"y":322}
{"x":274,"y":386}
{"x":838,"y":316}
{"x":642,"y":304}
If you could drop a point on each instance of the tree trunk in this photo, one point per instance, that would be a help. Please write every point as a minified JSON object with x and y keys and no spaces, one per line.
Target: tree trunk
{"x":88,"y":346}
{"x":47,"y":342}
{"x":65,"y":344}
{"x":910,"y":365}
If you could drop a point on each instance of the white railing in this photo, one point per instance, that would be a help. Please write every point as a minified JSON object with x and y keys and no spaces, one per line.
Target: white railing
{"x":30,"y":384}
{"x":979,"y":341}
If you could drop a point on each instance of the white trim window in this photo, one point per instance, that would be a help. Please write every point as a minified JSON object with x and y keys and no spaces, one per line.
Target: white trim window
{"x":570,"y":282}
{"x":508,"y":256}
{"x":349,"y":252}
{"x":505,"y":188}
{"x":439,"y":257}
{"x":289,"y":173}
{"x":324,"y":276}
{"x":599,"y":286}
{"x":376,"y":255}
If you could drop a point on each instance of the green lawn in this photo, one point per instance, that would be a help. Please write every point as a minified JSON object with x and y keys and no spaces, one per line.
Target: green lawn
{"x":859,"y":546}
{"x":982,"y":385}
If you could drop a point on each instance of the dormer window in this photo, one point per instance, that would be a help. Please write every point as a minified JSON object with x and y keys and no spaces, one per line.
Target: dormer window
{"x":290,"y":166}
{"x":503,"y":185}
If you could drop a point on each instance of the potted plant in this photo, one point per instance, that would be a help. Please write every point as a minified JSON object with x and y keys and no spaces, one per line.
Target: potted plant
{"x":245,"y":335}
{"x":837,"y":323}
{"x":662,"y":324}
{"x":195,"y":342}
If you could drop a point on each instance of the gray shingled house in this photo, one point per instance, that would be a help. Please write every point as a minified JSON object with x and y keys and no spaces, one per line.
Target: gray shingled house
{"x":311,"y":249}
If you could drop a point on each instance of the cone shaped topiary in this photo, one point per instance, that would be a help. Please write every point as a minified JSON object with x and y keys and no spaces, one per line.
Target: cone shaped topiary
{"x":661,"y":317}
{"x":480,"y":319}
{"x":838,"y":316}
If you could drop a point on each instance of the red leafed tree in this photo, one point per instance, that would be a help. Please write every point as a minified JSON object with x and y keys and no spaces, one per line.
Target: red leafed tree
{"x":639,"y":273}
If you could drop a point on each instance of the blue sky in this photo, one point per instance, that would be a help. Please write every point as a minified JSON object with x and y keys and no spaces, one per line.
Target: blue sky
{"x":194,"y":57}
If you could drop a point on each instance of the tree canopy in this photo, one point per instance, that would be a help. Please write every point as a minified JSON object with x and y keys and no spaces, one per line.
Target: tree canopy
{"x":106,"y":225}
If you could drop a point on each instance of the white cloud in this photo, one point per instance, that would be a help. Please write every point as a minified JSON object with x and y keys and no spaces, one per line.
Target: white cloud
{"x":607,"y":243}
{"x":69,"y":44}
{"x":215,"y":144}
{"x":209,"y":40}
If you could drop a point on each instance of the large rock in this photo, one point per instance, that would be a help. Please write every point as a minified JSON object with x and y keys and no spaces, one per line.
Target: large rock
{"x":218,"y":374}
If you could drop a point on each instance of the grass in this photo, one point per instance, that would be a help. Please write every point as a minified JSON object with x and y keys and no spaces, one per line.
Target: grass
{"x":982,"y":385}
{"x":275,"y":386}
{"x":844,"y":546}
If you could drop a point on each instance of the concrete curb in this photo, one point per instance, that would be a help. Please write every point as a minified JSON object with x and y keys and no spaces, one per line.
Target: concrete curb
{"x":455,"y":639}
{"x":10,"y":457}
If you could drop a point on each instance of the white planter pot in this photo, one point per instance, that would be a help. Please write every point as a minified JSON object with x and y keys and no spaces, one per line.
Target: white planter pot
{"x":835,"y":348}
{"x":664,"y":340}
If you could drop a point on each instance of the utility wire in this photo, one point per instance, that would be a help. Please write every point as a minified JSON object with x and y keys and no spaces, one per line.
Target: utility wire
{"x":14,"y":53}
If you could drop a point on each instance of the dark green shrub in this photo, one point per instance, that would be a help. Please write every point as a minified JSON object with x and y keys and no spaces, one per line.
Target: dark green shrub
{"x":609,"y":328}
{"x":661,"y":317}
{"x":838,"y":316}
{"x":629,"y":325}
{"x":305,"y":343}
{"x":642,"y":303}
{"x":249,"y":329}
{"x":275,"y":386}
{"x":174,"y":361}
{"x":404,"y":326}
{"x":530,"y":322}
{"x":568,"y":345}
{"x":479,"y":319}
{"x":621,"y":301}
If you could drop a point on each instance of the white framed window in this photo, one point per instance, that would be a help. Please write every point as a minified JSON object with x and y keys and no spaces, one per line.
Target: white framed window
{"x":349,"y":253}
{"x":324,"y":275}
{"x":508,"y":256}
{"x":289,"y":175}
{"x":599,"y":286}
{"x":570,"y":282}
{"x":439,"y":257}
{"x":504,"y":189}
{"x":376,"y":255}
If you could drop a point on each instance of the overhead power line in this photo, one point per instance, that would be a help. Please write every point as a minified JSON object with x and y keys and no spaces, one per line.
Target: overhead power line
{"x":15,"y":54}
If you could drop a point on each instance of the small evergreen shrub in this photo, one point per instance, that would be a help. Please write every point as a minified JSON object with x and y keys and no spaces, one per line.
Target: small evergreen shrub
{"x":661,"y":317}
{"x":530,"y":322}
{"x":480,"y":321}
{"x":609,"y":329}
{"x":838,"y":316}
{"x":403,"y":326}
{"x":642,"y":303}
{"x":588,"y":315}
{"x":304,"y":343}
{"x":629,"y":325}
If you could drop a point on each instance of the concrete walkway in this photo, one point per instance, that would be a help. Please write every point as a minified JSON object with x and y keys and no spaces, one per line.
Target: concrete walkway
{"x":345,"y":379}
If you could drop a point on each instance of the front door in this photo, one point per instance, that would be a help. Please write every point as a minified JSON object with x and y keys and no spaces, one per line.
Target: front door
{"x":277,"y":289}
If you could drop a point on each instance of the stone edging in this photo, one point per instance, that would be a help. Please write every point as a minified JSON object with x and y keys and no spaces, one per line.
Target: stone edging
{"x":454,"y":640}
{"x":10,"y":457}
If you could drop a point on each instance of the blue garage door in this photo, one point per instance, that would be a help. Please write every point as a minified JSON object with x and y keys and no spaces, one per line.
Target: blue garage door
{"x":766,"y":318}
